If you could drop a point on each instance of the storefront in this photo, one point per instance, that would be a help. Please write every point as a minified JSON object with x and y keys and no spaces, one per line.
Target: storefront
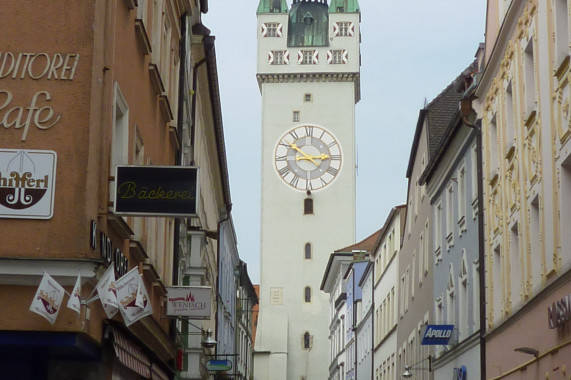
{"x":536,"y":342}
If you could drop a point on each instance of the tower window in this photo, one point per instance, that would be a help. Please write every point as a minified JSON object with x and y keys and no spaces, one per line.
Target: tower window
{"x":307,"y":97}
{"x":278,"y":57}
{"x":271,"y":29}
{"x":307,"y":206}
{"x":307,"y":294}
{"x":308,"y":57}
{"x":296,"y":116}
{"x":306,"y":341}
{"x":308,"y":251}
{"x":343,"y":29}
{"x":337,"y":57}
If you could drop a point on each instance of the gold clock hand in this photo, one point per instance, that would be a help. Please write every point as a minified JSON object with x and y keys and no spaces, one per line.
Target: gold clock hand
{"x":321,"y":157}
{"x":305,"y":155}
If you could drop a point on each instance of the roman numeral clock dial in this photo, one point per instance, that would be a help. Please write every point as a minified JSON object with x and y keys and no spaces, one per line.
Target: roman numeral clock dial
{"x":308,"y":157}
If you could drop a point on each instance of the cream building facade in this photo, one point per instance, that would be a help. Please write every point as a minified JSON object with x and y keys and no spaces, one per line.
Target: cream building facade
{"x":523,"y":101}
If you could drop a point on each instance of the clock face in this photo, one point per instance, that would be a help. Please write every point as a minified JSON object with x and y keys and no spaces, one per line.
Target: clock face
{"x":308,"y":157}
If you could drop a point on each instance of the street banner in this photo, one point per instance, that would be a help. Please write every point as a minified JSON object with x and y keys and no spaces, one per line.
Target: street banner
{"x":107,"y":291}
{"x":48,"y":299}
{"x":143,"y":299}
{"x":132,"y":297}
{"x":74,"y":302}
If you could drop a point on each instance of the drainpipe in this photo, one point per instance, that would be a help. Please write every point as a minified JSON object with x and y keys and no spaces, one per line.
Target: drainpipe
{"x":193,"y":109}
{"x":467,"y":111}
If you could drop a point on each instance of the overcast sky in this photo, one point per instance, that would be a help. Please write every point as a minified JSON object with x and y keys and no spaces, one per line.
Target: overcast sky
{"x":411,"y":50}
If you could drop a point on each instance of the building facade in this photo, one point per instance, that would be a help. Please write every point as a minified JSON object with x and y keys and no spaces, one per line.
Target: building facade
{"x":416,"y":257}
{"x":308,"y":73}
{"x":523,"y":102}
{"x":86,"y":73}
{"x":110,"y":84}
{"x":385,"y":255}
{"x":333,"y":284}
{"x":451,"y":178}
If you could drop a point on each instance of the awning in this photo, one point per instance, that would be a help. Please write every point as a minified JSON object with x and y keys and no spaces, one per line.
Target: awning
{"x":131,"y":356}
{"x":157,"y":373}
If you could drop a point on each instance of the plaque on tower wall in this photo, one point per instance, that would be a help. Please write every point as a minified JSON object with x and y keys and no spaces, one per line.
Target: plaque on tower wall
{"x":276,"y":296}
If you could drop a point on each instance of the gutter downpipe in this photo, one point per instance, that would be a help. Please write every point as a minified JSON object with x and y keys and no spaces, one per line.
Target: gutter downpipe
{"x":477,"y":127}
{"x":193,"y":109}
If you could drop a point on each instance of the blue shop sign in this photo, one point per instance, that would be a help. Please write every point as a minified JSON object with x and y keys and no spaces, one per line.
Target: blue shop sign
{"x":459,"y":373}
{"x":437,"y":335}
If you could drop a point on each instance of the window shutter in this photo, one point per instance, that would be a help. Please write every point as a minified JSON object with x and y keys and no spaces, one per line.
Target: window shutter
{"x":264,"y":30}
{"x":352,"y":29}
{"x":329,"y":56}
{"x":335,"y":29}
{"x":286,"y":57}
{"x":271,"y":57}
{"x":279,"y":30}
{"x":300,"y":57}
{"x":345,"y":56}
{"x":315,"y":58}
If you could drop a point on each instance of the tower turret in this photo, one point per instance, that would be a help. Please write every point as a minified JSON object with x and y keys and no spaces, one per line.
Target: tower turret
{"x":272,"y":6}
{"x":308,"y":23}
{"x":341,"y":6}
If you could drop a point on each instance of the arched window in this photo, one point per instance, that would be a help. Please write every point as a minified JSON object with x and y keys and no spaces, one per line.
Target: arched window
{"x":307,"y":294}
{"x":308,"y":251}
{"x":306,"y":340}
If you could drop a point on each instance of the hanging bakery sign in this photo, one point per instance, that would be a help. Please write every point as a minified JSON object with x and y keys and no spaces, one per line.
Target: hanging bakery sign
{"x":27,"y":183}
{"x":36,"y":111}
{"x":170,"y":191}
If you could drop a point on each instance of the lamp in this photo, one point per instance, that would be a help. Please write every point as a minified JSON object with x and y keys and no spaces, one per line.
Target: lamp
{"x":208,"y":342}
{"x":528,"y":350}
{"x":407,"y":374}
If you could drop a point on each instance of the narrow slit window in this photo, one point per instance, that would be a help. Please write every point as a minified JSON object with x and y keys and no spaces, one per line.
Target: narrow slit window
{"x":308,"y":206}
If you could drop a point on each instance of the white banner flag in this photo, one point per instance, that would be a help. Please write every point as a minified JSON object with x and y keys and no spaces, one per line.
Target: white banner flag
{"x":107,"y":291}
{"x":132,"y":296}
{"x":74,"y":302}
{"x":143,"y":299}
{"x":48,"y":299}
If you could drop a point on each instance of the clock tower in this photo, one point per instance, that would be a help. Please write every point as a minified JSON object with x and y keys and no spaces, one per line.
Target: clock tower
{"x":308,"y":74}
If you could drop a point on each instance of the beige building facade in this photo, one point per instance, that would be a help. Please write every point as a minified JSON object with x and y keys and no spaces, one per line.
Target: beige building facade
{"x":85,"y":87}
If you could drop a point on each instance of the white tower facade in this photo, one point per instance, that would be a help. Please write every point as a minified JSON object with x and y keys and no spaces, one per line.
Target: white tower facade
{"x":308,"y":73}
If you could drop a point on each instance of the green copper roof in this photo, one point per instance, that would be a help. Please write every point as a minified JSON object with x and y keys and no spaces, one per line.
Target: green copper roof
{"x":272,"y":6}
{"x":308,"y":24}
{"x":344,"y":6}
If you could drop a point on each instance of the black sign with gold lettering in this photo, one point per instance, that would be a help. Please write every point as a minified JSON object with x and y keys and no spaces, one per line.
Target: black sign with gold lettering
{"x":156,"y":191}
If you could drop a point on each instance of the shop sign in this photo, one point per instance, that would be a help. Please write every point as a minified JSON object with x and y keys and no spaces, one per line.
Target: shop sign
{"x":459,"y":373}
{"x":217,"y":365}
{"x":437,"y":335}
{"x":108,"y":252}
{"x":559,"y":312}
{"x":27,"y":183}
{"x":188,"y":301}
{"x":170,"y":191}
{"x":36,"y":111}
